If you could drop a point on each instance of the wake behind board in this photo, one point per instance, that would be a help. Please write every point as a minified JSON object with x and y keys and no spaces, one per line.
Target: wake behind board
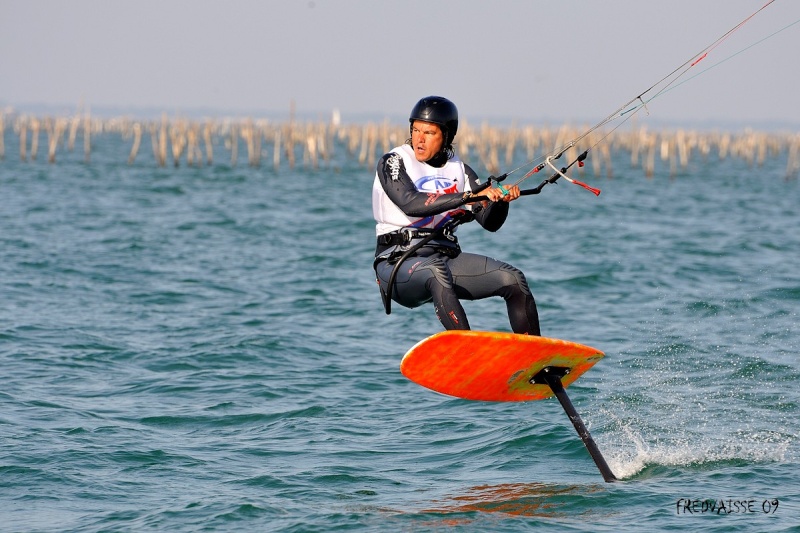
{"x":494,"y":366}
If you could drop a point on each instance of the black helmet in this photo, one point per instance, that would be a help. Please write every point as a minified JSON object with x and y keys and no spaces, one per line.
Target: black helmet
{"x":440,"y":111}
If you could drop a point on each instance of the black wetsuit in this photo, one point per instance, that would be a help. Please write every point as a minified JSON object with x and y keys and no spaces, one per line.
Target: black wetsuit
{"x":439,"y":271}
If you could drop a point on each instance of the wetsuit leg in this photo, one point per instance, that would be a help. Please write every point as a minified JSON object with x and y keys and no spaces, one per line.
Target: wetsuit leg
{"x":425,"y":279}
{"x":477,"y":276}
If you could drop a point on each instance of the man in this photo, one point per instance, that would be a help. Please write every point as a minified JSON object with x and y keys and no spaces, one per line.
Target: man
{"x":421,"y":186}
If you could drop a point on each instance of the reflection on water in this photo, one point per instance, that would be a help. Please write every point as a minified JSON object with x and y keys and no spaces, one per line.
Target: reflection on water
{"x":517,"y":499}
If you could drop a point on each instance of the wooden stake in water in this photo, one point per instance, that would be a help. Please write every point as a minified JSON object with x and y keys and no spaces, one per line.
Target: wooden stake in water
{"x":209,"y":145}
{"x":23,"y":139}
{"x":87,"y":136}
{"x":137,"y":140}
{"x":55,"y":129}
{"x":2,"y":138}
{"x":34,"y":138}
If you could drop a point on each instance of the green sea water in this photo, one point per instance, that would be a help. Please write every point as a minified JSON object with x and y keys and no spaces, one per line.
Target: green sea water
{"x":204,"y":349}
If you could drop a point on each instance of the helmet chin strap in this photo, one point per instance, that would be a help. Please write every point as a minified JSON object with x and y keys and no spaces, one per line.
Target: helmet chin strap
{"x":439,"y":159}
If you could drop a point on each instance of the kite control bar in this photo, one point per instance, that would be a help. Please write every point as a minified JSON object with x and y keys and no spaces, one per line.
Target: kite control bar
{"x":557,"y":173}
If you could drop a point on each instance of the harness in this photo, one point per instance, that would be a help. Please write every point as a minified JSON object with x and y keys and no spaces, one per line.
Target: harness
{"x":407,"y":236}
{"x":415,"y":239}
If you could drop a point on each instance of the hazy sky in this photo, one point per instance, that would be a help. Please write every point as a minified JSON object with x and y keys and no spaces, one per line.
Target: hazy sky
{"x":530,"y":60}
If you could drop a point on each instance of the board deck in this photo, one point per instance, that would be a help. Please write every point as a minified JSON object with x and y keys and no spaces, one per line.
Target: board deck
{"x":493,"y":366}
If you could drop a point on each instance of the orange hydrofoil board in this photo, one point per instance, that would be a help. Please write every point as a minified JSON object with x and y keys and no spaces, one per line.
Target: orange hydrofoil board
{"x":494,"y":366}
{"x":504,"y":367}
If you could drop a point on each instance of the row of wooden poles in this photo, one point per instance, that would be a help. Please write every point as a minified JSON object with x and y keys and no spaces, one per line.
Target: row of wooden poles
{"x":496,"y":148}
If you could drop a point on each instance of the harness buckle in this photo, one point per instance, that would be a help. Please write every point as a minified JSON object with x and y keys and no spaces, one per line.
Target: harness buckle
{"x":408,"y":235}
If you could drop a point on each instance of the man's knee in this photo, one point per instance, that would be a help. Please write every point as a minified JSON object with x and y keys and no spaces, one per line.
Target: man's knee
{"x":515,"y":279}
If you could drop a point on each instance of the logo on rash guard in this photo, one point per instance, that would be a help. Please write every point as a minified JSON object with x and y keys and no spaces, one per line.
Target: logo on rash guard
{"x":393,"y":162}
{"x":436,"y":185}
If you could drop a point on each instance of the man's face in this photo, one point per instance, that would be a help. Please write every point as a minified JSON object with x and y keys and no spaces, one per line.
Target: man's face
{"x":426,"y":139}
